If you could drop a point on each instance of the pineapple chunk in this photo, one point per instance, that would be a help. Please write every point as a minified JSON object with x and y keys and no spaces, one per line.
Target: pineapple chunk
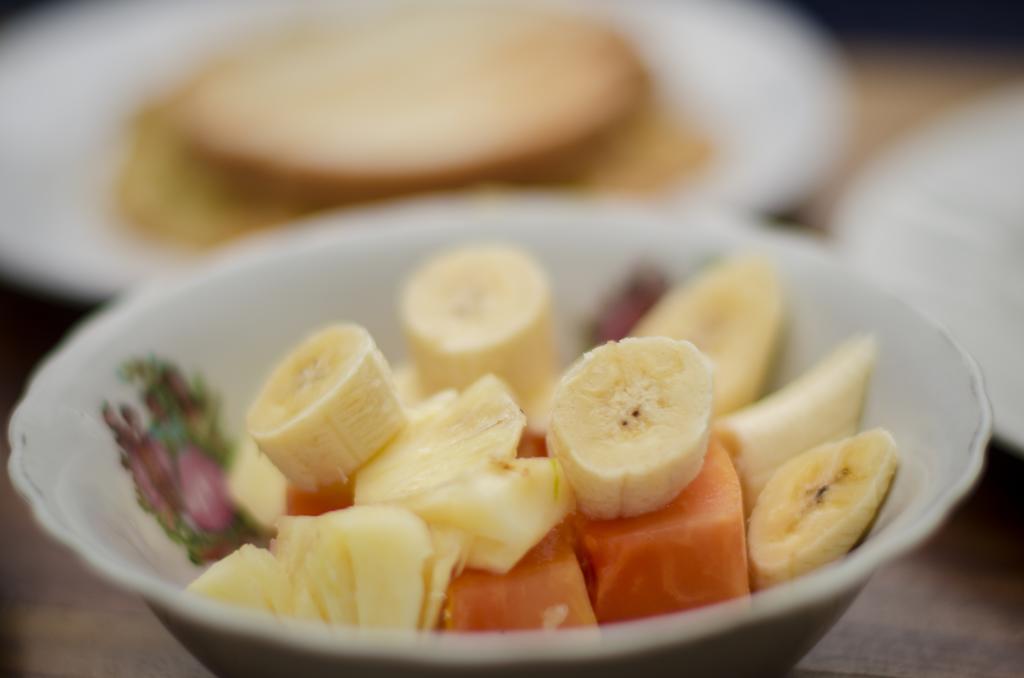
{"x":482,"y":424}
{"x":455,"y":466}
{"x":505,"y":509}
{"x":359,"y":566}
{"x":316,"y":562}
{"x":256,"y":486}
{"x":447,"y":563}
{"x":367,"y":566}
{"x":250,"y":577}
{"x":390,"y":549}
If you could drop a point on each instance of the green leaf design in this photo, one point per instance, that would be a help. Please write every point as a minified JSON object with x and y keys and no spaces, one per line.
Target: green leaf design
{"x":184,"y":414}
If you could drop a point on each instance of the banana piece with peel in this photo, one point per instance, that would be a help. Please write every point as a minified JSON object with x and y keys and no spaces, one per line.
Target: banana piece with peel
{"x":733,"y":312}
{"x":328,"y":407}
{"x":629,"y":423}
{"x":818,"y":505}
{"x":822,"y":405}
{"x":477,"y":310}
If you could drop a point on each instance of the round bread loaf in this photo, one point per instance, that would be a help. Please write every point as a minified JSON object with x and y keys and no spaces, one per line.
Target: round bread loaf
{"x":421,"y":98}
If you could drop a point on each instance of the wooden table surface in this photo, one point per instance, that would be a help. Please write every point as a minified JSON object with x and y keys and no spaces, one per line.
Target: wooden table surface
{"x":953,"y":608}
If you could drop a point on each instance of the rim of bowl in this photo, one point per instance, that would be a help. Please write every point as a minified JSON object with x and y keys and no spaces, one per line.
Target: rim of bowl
{"x":480,"y":649}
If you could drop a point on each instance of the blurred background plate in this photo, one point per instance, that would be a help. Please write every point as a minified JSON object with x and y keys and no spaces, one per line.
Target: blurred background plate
{"x":940,"y":220}
{"x":759,"y":78}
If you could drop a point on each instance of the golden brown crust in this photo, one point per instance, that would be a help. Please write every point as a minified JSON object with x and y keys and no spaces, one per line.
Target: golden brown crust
{"x":557,"y":83}
{"x":163,"y":191}
{"x":168,"y":193}
{"x":183,"y":186}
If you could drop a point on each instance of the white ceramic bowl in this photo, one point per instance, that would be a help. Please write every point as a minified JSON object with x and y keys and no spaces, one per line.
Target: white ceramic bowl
{"x":230,"y":321}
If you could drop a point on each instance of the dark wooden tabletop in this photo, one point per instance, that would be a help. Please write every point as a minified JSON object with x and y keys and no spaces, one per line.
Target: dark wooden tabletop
{"x":953,"y":608}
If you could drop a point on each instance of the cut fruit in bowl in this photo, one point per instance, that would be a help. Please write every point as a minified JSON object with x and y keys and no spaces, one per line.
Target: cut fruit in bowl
{"x":134,"y":463}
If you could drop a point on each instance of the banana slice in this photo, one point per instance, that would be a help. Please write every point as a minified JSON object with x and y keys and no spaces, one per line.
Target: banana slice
{"x":250,"y":577}
{"x":505,"y":509}
{"x":480,"y":310}
{"x":327,"y":408}
{"x":256,"y":486}
{"x":481,"y":425}
{"x":733,"y":313}
{"x":818,"y":505}
{"x":630,"y":424}
{"x":822,"y":405}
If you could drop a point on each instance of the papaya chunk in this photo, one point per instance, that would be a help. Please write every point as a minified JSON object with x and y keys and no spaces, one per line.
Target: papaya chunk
{"x":688,"y":554}
{"x":545,"y":590}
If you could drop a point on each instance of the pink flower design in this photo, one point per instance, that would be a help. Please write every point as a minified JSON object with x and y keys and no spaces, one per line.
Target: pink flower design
{"x":204,"y":490}
{"x":153,"y":472}
{"x":177,"y":460}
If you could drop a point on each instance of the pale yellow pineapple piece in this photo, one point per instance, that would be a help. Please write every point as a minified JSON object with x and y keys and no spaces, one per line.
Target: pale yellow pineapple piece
{"x":256,"y":485}
{"x":481,"y":425}
{"x":505,"y":509}
{"x":250,"y":577}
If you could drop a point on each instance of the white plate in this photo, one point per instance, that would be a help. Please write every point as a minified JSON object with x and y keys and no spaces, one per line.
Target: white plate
{"x":761,"y":80}
{"x":940,"y":219}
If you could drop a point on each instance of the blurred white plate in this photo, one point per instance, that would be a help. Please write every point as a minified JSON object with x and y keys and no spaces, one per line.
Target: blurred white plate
{"x":940,"y":219}
{"x":761,"y":80}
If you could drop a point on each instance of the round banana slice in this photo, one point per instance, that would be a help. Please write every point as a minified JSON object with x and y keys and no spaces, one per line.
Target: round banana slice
{"x":327,"y":408}
{"x":733,"y":313}
{"x":818,"y":505}
{"x":480,"y":310}
{"x":629,"y":423}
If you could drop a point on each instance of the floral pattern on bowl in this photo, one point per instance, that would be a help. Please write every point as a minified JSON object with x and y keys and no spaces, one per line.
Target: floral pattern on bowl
{"x":179,"y":460}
